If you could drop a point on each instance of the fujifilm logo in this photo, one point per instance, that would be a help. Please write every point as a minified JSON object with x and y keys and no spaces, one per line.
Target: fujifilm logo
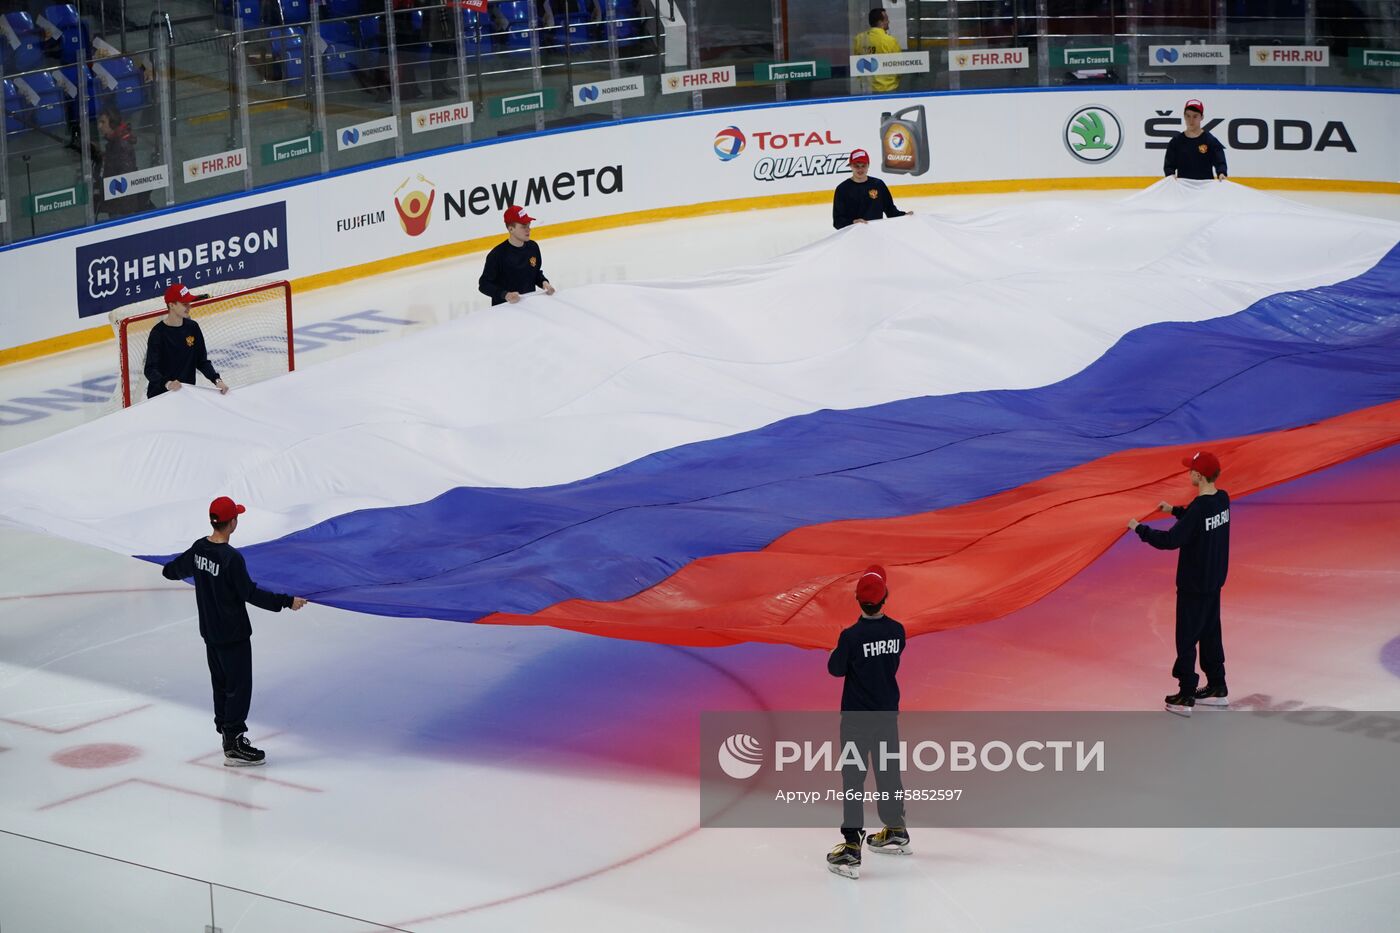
{"x":361,"y":220}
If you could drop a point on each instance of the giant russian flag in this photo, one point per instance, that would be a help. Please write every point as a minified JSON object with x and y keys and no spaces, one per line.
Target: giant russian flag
{"x":978,"y":403}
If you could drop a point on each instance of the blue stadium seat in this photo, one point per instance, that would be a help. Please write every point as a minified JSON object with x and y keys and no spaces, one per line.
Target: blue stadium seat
{"x":289,"y":62}
{"x":129,"y":92}
{"x":294,"y":11}
{"x":64,"y":16}
{"x":516,"y":12}
{"x":50,"y":110}
{"x":339,"y":58}
{"x":414,"y":52}
{"x":574,"y":31}
{"x":23,"y":42}
{"x":77,"y":44}
{"x":372,"y":33}
{"x":250,"y":11}
{"x":15,"y":106}
{"x":71,"y":74}
{"x":338,"y":8}
{"x":471,"y":22}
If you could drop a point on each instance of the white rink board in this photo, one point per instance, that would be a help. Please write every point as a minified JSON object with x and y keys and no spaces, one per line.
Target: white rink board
{"x":350,"y":219}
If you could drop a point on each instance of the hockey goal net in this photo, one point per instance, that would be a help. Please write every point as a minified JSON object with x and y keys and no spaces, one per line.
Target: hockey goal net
{"x":247,"y":327}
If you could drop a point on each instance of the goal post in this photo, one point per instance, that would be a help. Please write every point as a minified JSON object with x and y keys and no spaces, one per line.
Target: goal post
{"x":247,"y":328}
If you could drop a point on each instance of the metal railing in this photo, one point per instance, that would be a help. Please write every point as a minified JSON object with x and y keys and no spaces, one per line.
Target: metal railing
{"x":47,"y":883}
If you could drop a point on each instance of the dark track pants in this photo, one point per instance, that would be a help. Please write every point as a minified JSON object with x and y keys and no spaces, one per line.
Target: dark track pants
{"x":1198,"y":621}
{"x":231,"y":672}
{"x":868,"y":731}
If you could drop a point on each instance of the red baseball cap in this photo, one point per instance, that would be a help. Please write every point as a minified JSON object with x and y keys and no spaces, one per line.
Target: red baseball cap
{"x":224,"y":509}
{"x":871,"y":587}
{"x":1195,"y":105}
{"x":178,"y":293}
{"x":1204,"y":463}
{"x":860,"y":157}
{"x":517,"y":215}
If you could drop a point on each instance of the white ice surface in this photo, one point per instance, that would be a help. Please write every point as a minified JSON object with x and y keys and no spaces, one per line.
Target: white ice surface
{"x":504,"y":779}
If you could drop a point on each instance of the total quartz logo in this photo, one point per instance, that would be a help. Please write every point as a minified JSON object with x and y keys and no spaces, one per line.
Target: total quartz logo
{"x":784,"y":154}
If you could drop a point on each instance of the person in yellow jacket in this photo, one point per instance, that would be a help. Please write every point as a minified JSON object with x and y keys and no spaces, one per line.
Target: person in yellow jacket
{"x":877,"y":41}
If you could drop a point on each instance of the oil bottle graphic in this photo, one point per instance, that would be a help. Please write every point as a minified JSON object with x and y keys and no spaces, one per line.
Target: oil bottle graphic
{"x":904,"y":141}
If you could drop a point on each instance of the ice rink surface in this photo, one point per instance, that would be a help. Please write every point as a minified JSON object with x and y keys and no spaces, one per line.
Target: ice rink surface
{"x":439,"y":776}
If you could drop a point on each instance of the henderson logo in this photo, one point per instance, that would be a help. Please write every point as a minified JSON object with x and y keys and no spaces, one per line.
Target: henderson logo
{"x":244,"y":244}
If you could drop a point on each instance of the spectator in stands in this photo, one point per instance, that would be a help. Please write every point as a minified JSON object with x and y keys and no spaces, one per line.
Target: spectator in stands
{"x":409,"y":41}
{"x":440,"y":35}
{"x":877,"y":41}
{"x":117,"y":158}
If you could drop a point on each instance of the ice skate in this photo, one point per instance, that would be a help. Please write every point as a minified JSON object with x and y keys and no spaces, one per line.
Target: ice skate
{"x":844,"y":860}
{"x":1213,"y":697}
{"x":239,"y":754}
{"x":1180,"y":703}
{"x":891,"y":839}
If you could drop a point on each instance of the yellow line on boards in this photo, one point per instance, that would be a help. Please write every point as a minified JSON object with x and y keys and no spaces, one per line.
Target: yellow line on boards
{"x":94,"y":335}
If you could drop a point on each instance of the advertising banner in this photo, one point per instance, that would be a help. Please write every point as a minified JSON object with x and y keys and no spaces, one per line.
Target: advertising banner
{"x":245,"y":244}
{"x":1374,"y":58}
{"x":744,"y":155}
{"x":1091,"y":57}
{"x":891,"y":63}
{"x":605,"y":92}
{"x":809,"y":70}
{"x":146,"y":179}
{"x":988,"y":59}
{"x":49,"y":201}
{"x":215,"y":164}
{"x":518,"y":104}
{"x":297,"y":148}
{"x":1169,"y":55}
{"x":362,"y":134}
{"x":1306,"y":56}
{"x":700,"y":79}
{"x":437,"y":118}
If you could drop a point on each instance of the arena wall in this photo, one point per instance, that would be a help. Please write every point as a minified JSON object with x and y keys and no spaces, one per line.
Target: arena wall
{"x":330,"y":229}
